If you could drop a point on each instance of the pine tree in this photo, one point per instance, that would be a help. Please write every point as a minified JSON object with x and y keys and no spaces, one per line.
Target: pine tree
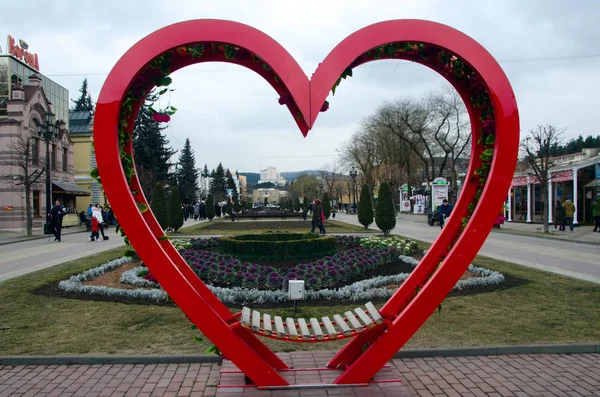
{"x":159,"y":205}
{"x":305,"y":204}
{"x":150,"y":149}
{"x":187,"y":175}
{"x":228,"y":207}
{"x":175,"y":210}
{"x":365,"y":207}
{"x":296,"y":205}
{"x":231,"y":184}
{"x":237,"y":207}
{"x":84,"y":102}
{"x":205,"y":172}
{"x":385,"y":215}
{"x":326,"y":205}
{"x":210,"y":207}
{"x":217,"y":185}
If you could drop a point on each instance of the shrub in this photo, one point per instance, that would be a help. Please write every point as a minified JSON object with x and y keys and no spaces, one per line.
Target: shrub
{"x":326,"y":205}
{"x":277,"y":245}
{"x":175,"y":210}
{"x":210,"y":207}
{"x":365,"y":207}
{"x":296,"y":205}
{"x":305,"y":204}
{"x":159,"y":205}
{"x":308,"y":236}
{"x":385,"y":216}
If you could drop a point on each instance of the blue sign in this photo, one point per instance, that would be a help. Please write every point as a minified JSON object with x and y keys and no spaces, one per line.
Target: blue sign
{"x":597,"y":171}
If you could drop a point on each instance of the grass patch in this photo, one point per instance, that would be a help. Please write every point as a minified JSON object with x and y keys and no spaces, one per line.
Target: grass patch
{"x":225,"y":226}
{"x":548,"y":309}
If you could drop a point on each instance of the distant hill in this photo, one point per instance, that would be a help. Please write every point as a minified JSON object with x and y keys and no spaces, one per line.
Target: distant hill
{"x":254,"y":177}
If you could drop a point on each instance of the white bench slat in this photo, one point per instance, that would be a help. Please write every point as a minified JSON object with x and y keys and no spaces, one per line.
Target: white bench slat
{"x":354,"y":322}
{"x":267,"y":326}
{"x":342,"y":325}
{"x":330,"y":328}
{"x":246,"y":317}
{"x":255,"y":321}
{"x":279,"y":327}
{"x":291,"y":327}
{"x":316,"y":329}
{"x":374,"y":313}
{"x":304,"y":329}
{"x":364,"y":317}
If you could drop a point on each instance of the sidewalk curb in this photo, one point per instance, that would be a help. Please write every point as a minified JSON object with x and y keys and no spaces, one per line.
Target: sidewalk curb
{"x":583,"y":348}
{"x":578,"y":348}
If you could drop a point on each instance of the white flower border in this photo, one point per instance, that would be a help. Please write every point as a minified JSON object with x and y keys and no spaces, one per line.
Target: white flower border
{"x":358,"y":291}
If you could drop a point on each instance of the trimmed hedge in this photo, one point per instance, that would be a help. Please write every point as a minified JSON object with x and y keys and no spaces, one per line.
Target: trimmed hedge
{"x":277,"y":245}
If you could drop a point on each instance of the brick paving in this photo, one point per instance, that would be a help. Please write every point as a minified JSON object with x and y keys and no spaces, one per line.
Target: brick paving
{"x":494,"y":376}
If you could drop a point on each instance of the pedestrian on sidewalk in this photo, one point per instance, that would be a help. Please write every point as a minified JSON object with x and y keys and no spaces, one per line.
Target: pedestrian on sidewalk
{"x":97,"y":213}
{"x":56,"y":217}
{"x":559,"y":217}
{"x":596,"y":214}
{"x":444,"y":211}
{"x":95,"y":227}
{"x":569,"y":212}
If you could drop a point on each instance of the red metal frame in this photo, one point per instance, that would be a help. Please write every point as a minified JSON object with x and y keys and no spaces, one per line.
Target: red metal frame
{"x":404,"y":310}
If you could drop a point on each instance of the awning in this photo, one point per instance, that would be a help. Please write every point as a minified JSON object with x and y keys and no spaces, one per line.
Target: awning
{"x":69,"y":188}
{"x":594,"y":183}
{"x":562,"y":176}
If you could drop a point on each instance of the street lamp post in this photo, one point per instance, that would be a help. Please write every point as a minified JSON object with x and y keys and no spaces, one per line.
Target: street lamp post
{"x":48,"y":131}
{"x":353,"y":175}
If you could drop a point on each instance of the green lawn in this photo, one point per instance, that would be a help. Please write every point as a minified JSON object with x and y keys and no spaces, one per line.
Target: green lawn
{"x":548,"y":309}
{"x":225,"y":226}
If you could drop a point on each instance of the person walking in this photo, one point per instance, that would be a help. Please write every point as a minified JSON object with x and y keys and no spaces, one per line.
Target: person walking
{"x":317,"y":217}
{"x":596,"y":214}
{"x":95,"y":227}
{"x":559,"y":217}
{"x":97,"y":213}
{"x":56,"y":217}
{"x":569,"y":212}
{"x":444,"y":212}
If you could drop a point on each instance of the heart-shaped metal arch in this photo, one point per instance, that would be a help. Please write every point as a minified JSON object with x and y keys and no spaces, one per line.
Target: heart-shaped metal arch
{"x":405,"y":311}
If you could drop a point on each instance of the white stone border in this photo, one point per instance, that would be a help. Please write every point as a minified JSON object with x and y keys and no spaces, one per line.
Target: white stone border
{"x":358,"y":291}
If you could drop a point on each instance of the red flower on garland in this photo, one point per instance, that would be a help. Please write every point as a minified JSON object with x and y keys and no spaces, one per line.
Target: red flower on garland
{"x":161,"y":117}
{"x":181,"y":50}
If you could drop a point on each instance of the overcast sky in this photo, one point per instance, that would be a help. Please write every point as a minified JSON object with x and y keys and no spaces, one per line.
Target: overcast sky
{"x":548,"y":49}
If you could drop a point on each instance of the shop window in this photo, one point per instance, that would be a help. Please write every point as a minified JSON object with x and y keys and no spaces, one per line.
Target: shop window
{"x":64,"y":159}
{"x":36,"y":203}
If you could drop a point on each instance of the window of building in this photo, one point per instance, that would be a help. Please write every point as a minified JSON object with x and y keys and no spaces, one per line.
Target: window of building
{"x":64,"y":159}
{"x":35,"y":151}
{"x":53,"y":157}
{"x":36,"y":203}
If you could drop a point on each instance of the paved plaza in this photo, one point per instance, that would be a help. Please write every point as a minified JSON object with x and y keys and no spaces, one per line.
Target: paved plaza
{"x":494,"y":376}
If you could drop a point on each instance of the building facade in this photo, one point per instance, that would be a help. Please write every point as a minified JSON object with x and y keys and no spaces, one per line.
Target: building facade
{"x":273,"y":196}
{"x":26,"y":108}
{"x":81,"y":125}
{"x":575,"y":177}
{"x":271,"y":175}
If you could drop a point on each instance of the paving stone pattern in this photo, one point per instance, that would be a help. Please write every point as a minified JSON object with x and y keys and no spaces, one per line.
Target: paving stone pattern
{"x":495,"y":376}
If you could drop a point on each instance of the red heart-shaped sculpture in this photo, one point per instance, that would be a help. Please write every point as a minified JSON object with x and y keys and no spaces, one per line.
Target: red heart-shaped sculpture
{"x":477,"y":77}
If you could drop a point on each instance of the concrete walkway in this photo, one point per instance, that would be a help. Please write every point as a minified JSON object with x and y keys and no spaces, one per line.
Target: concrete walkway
{"x":494,"y":376}
{"x":557,"y":255}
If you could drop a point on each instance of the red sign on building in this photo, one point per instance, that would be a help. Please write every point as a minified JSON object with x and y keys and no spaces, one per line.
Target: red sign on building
{"x":22,"y":53}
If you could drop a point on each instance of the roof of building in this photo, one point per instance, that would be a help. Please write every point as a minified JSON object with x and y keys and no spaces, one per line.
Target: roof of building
{"x":80,"y":121}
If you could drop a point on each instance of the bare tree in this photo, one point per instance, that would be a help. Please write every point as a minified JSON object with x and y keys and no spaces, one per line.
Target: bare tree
{"x":24,"y":173}
{"x":535,"y":149}
{"x":330,"y":174}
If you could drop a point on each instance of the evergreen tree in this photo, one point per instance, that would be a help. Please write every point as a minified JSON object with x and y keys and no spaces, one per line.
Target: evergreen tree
{"x":151,"y":149}
{"x":365,"y":207}
{"x":237,"y":207}
{"x":326,"y":205}
{"x":175,"y":210}
{"x":205,"y":172}
{"x":296,"y":205}
{"x":159,"y":205}
{"x":266,"y":201}
{"x":231,"y":184}
{"x":84,"y":102}
{"x":210,"y":207}
{"x":385,"y":215}
{"x":228,"y":207}
{"x":305,"y":204}
{"x":187,"y":175}
{"x":217,"y":185}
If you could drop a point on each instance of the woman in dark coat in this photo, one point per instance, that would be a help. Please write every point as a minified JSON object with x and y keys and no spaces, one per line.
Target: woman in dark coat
{"x":559,"y":216}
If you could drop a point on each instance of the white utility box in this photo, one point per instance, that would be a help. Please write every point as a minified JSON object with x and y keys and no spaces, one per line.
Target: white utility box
{"x":296,"y":290}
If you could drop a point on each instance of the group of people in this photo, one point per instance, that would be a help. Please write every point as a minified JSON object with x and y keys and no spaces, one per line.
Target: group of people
{"x":195,"y":211}
{"x":318,"y":217}
{"x":97,"y":216}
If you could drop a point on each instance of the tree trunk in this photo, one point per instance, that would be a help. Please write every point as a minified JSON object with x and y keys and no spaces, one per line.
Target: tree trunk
{"x":28,"y":208}
{"x":544,"y":194}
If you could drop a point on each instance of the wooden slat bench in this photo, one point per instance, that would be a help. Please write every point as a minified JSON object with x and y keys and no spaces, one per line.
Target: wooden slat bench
{"x":299,"y":330}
